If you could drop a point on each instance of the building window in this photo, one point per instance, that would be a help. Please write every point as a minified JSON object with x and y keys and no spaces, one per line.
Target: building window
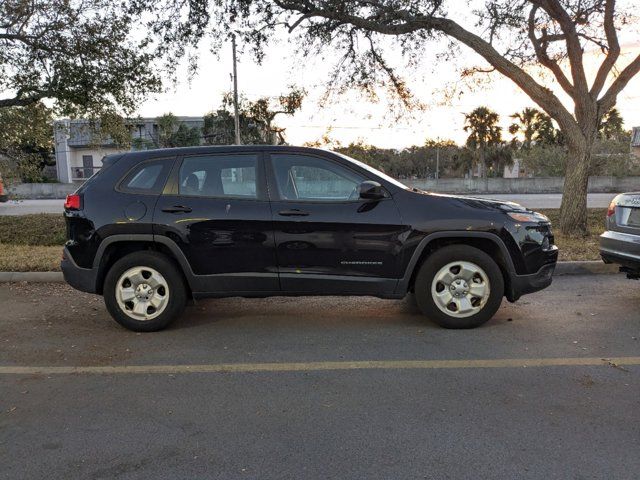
{"x":87,"y":166}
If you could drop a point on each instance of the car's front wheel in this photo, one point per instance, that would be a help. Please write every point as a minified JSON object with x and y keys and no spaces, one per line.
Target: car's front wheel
{"x":459,"y":287}
{"x":144,"y":291}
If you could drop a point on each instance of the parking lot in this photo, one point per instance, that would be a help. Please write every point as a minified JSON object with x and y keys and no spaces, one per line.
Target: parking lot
{"x":345,"y":388}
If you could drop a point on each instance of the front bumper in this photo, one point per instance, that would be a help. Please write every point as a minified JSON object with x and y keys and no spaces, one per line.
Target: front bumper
{"x":522,"y":284}
{"x":83,"y":279}
{"x":622,"y":249}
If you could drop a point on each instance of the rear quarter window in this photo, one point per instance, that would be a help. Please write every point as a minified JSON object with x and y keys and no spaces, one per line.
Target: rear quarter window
{"x":147,"y":177}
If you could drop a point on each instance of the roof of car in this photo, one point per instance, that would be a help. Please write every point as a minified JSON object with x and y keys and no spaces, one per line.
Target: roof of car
{"x":221,"y":149}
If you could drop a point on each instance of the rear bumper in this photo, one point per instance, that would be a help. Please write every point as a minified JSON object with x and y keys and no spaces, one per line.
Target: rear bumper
{"x":83,"y":279}
{"x":622,"y":249}
{"x":523,"y":284}
{"x":628,"y":264}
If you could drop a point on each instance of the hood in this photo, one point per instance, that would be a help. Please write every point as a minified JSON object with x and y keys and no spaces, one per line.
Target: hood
{"x":483,"y":203}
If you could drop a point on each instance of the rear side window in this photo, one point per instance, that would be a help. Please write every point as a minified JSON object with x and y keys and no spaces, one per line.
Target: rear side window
{"x":148,"y":177}
{"x":220,"y":176}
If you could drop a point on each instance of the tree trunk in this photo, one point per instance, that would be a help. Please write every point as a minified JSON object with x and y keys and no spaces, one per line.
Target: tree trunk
{"x":573,"y":210}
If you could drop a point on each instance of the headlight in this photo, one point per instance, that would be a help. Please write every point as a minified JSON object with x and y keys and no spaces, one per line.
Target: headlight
{"x":532,"y":217}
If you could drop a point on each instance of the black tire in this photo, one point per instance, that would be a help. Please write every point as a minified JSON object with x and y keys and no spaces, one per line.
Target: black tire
{"x":440,"y":259}
{"x":176,"y":290}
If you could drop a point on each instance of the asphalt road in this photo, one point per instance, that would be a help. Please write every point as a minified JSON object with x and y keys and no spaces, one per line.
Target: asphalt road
{"x":298,"y":406}
{"x":27,"y":207}
{"x":545,"y":200}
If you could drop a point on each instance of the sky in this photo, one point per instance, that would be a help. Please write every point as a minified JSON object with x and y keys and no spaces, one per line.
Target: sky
{"x":349,"y":117}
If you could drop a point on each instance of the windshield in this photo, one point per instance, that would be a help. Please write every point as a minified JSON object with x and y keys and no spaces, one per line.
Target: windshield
{"x":372,"y":170}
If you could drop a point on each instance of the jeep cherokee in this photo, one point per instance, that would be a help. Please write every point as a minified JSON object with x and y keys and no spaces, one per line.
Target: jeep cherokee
{"x":153,"y":229}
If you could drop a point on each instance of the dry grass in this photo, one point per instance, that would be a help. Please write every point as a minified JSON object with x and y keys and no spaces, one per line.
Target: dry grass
{"x":28,"y":258}
{"x":579,"y":248}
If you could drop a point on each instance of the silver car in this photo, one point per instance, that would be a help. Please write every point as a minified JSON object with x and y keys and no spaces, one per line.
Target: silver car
{"x":620,"y":243}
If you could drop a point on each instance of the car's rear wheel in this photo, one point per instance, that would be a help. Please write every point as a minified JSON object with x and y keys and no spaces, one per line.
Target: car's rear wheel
{"x":459,"y":287}
{"x":144,"y":291}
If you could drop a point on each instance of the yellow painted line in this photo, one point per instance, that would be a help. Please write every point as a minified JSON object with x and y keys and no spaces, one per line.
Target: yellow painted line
{"x":323,"y":366}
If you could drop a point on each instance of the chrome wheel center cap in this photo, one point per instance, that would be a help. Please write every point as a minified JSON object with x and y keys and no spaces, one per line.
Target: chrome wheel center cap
{"x":459,"y":287}
{"x":144,"y":291}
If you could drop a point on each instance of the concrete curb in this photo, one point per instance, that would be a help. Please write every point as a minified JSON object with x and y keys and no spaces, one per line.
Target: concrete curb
{"x":594,"y":267}
{"x":34,"y":277}
{"x":563,"y":268}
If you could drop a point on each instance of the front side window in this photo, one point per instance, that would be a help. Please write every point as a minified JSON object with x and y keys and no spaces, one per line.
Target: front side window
{"x":147,"y":177}
{"x":219,"y":176}
{"x":303,"y":177}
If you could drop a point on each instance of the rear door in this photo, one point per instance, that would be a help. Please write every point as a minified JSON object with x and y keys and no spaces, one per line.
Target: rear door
{"x":219,"y":215}
{"x":328,"y":240}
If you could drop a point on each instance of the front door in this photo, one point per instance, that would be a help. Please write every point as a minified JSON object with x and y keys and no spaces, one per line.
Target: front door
{"x":220,"y":218}
{"x":328,"y":239}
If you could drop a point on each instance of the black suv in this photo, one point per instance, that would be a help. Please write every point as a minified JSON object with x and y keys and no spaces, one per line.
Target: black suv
{"x":155,"y":228}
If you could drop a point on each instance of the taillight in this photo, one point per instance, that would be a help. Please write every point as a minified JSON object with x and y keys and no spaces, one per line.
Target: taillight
{"x":611,"y":211}
{"x":73,"y":202}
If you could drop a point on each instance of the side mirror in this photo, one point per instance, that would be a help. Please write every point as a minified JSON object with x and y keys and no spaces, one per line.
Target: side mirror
{"x":371,"y":190}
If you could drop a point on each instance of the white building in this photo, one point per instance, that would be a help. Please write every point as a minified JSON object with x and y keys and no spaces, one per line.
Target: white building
{"x":512,"y":171}
{"x":79,"y":149}
{"x":635,"y":141}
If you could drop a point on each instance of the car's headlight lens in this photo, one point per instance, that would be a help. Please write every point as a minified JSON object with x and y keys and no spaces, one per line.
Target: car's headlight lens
{"x":528,"y":217}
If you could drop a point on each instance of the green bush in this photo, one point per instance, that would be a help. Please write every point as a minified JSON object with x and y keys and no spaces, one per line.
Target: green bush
{"x":30,"y":169}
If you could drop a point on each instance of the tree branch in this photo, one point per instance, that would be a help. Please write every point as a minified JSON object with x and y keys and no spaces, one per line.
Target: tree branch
{"x":608,"y":100}
{"x":302,"y":18}
{"x":614,"y":49}
{"x":19,"y":101}
{"x":557,"y":12}
{"x":540,"y":46}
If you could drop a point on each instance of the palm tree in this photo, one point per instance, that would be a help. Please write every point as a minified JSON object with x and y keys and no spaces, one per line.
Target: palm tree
{"x":535,"y":126}
{"x":525,"y":121}
{"x":484,"y":131}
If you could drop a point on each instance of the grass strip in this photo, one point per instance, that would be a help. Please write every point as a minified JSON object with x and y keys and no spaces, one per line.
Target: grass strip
{"x":29,"y":258}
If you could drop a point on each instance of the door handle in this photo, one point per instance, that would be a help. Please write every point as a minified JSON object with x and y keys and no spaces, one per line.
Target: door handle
{"x":177,"y":209}
{"x":294,"y":212}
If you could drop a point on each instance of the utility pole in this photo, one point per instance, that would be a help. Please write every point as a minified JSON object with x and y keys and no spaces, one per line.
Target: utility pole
{"x":437,"y":163}
{"x":235,"y":90}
